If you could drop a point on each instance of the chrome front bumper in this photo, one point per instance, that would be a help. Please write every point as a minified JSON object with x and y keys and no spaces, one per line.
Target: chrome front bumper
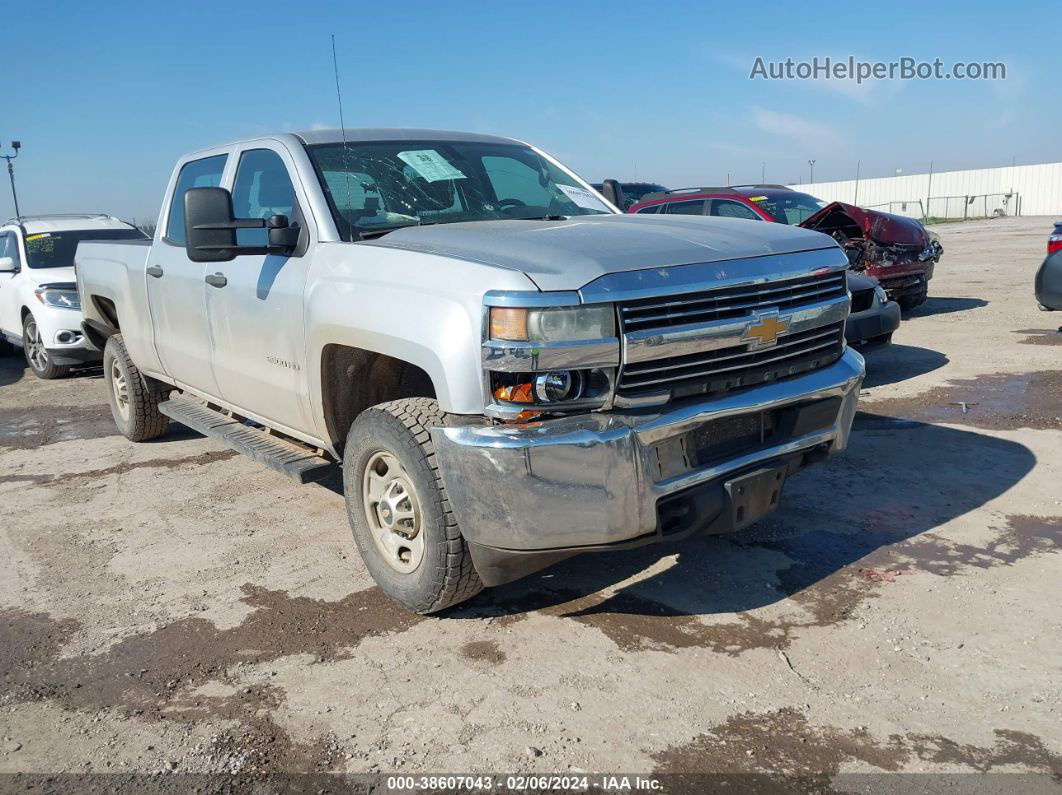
{"x":594,"y":480}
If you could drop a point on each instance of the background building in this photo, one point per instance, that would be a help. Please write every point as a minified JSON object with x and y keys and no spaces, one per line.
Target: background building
{"x":977,"y":193}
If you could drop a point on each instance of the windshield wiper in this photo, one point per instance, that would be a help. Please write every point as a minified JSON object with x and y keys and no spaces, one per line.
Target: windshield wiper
{"x":372,"y":232}
{"x":547,"y":217}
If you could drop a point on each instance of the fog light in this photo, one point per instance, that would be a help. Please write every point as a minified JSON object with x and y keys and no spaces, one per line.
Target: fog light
{"x":558,"y":385}
{"x":66,"y":337}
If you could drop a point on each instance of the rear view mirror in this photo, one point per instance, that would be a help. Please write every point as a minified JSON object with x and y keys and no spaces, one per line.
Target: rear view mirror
{"x":613,"y":191}
{"x":210,"y":228}
{"x":7,"y":265}
{"x":281,"y":233}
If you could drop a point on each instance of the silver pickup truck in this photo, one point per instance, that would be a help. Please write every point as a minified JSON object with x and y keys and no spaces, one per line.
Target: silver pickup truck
{"x":510,"y":370}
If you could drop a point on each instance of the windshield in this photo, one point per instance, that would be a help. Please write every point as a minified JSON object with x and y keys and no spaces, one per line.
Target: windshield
{"x":56,"y":249}
{"x":377,"y":186}
{"x":789,"y":207}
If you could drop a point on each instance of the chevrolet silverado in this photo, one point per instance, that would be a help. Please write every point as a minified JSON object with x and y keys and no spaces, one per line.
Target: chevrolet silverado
{"x":510,"y":370}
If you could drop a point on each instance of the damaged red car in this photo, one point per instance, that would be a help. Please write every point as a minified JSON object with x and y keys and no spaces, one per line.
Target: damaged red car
{"x":897,"y":251}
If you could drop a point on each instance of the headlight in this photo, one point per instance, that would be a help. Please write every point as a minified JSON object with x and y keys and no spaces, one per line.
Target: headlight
{"x":883,"y":297}
{"x":63,"y":299}
{"x":556,"y":324}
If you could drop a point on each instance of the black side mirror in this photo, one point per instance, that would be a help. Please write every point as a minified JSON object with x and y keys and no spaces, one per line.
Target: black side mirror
{"x":613,"y":191}
{"x":209,"y":225}
{"x":281,"y":233}
{"x":210,"y":228}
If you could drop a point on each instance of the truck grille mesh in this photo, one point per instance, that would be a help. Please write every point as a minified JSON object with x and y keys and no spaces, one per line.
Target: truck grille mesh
{"x":731,"y":302}
{"x":734,"y":366}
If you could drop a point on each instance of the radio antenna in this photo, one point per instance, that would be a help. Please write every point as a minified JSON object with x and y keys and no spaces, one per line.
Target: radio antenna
{"x":342,"y":128}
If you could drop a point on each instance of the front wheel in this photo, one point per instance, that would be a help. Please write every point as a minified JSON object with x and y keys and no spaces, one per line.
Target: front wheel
{"x":36,"y":354}
{"x":909,"y":302}
{"x":134,"y":397}
{"x":402,"y":522}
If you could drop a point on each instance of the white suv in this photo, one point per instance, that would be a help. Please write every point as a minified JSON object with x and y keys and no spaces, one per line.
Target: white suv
{"x":39,"y":306}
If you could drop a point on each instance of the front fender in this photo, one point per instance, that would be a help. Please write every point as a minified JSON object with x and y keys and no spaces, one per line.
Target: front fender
{"x":420,"y":308}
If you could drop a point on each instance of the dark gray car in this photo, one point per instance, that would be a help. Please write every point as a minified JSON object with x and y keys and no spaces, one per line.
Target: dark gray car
{"x":874,"y":317}
{"x":1049,"y":277}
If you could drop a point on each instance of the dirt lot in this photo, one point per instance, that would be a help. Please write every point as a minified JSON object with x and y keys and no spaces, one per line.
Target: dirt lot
{"x":174,"y":607}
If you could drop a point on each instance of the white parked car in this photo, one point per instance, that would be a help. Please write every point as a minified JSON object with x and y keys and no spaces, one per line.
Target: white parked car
{"x":39,"y":306}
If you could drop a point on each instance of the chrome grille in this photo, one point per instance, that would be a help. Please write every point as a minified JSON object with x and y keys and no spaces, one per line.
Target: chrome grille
{"x":735,"y":367}
{"x":731,"y":302}
{"x":695,"y":343}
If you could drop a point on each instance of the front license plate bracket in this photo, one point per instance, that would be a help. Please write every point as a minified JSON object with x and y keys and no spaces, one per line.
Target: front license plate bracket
{"x":755,"y":494}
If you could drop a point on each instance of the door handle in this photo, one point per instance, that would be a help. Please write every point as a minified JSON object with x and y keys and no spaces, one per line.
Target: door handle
{"x":154,"y":270}
{"x":216,"y":280}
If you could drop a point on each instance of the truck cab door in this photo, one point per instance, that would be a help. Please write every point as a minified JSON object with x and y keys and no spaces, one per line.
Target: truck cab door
{"x":177,"y":288}
{"x":255,"y":302}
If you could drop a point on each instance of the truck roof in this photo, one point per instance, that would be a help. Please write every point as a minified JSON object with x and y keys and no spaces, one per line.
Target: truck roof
{"x":335,"y":136}
{"x":68,"y":222}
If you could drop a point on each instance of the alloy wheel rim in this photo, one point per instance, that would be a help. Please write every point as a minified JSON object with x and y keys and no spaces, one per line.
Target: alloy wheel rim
{"x":120,"y":387}
{"x":392,"y":511}
{"x":35,"y":352}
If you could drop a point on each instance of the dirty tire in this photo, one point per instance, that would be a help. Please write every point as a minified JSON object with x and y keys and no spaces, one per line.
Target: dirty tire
{"x":445,"y":574}
{"x":909,"y":302}
{"x":141,"y":419}
{"x":36,"y":357}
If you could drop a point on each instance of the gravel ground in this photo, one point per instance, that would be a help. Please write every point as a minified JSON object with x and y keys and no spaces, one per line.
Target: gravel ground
{"x":173,"y":607}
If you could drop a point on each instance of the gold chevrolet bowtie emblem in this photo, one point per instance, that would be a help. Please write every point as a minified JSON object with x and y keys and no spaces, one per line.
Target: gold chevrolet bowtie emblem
{"x":765,"y":330}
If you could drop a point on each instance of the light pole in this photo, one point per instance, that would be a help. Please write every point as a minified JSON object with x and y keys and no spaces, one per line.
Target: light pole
{"x":811,"y":179}
{"x":16,"y":145}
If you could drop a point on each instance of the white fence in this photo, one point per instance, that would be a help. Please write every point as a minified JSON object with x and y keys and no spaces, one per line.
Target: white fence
{"x":1011,"y":190}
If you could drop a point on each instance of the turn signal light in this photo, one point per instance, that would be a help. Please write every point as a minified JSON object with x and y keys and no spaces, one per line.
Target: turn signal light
{"x":508,"y":324}
{"x":523,"y":416}
{"x":518,"y":393}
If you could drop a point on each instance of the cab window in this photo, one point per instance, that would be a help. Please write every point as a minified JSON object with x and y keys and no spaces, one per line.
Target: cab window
{"x":9,"y":247}
{"x":725,"y":208}
{"x":686,"y":208}
{"x":262,"y":189}
{"x":205,"y":173}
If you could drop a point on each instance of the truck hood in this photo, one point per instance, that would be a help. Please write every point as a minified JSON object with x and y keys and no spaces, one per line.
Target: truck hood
{"x":892,"y":230}
{"x":566,"y":255}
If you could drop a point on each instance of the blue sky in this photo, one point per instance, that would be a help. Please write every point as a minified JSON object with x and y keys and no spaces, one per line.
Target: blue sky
{"x":106,"y":96}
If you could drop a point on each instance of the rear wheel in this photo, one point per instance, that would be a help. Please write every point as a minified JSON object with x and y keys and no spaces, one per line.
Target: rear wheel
{"x":36,"y":354}
{"x":134,"y":397}
{"x":398,"y":510}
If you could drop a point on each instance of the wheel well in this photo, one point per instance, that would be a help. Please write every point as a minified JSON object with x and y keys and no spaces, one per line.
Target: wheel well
{"x":106,"y":307}
{"x":353,"y":379}
{"x":96,"y":331}
{"x":25,"y":311}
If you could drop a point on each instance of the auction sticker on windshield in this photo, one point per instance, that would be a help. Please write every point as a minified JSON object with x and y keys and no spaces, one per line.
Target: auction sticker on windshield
{"x":430,"y":165}
{"x":582,"y":197}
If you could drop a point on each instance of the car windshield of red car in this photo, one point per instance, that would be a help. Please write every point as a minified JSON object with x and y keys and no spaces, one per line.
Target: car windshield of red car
{"x":789,"y":207}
